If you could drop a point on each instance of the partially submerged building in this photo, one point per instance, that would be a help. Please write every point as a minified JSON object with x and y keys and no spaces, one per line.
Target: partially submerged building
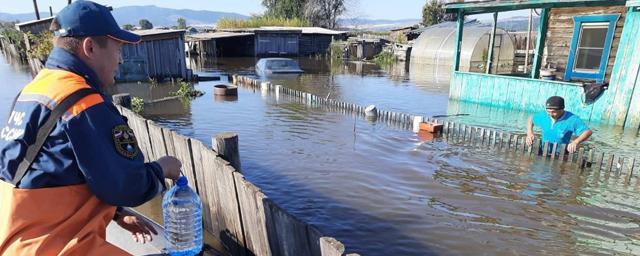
{"x":578,"y":42}
{"x":264,"y":41}
{"x":159,"y":55}
{"x":221,"y":44}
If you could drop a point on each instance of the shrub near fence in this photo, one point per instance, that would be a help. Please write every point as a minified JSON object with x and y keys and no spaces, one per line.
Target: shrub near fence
{"x":235,"y":211}
{"x":585,"y":158}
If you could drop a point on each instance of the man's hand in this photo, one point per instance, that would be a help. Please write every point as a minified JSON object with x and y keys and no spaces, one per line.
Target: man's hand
{"x":530,"y":138}
{"x":140,"y":229}
{"x":573,"y":146}
{"x":170,"y":167}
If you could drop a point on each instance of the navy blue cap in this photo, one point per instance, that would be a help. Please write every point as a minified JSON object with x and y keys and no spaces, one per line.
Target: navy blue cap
{"x":555,"y":102}
{"x":86,"y":18}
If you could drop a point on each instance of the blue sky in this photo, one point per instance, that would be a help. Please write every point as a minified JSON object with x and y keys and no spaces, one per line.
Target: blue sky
{"x":369,"y":9}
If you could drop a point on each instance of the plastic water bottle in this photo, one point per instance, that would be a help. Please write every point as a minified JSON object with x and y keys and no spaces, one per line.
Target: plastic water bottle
{"x":182,"y":213}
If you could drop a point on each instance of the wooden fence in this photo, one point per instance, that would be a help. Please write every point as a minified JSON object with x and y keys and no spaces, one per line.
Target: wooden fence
{"x":235,"y":211}
{"x":585,"y":158}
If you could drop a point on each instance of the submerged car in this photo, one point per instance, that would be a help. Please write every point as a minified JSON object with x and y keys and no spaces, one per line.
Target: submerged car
{"x":272,"y":66}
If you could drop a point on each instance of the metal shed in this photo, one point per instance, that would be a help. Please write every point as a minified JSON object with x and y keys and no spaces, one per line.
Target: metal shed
{"x":280,"y":42}
{"x":159,"y":55}
{"x":290,"y":41}
{"x":436,"y":46}
{"x":35,"y":26}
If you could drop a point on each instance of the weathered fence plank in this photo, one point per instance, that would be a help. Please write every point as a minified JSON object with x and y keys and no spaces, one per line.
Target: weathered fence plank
{"x":251,"y":201}
{"x":157,"y":139}
{"x":231,"y":233}
{"x":288,"y":235}
{"x":200,"y":170}
{"x":182,"y":146}
{"x":632,"y":163}
{"x":580,"y":160}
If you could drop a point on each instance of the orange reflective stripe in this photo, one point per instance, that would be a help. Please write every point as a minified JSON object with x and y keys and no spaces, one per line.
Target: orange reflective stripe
{"x":84,"y":104}
{"x":67,"y":220}
{"x":56,"y":85}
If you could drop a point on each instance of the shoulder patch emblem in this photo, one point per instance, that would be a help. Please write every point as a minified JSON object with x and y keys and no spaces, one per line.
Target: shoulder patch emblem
{"x":125,"y":141}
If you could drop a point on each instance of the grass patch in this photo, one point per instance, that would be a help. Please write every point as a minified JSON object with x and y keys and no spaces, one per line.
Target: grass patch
{"x":137,"y":104}
{"x":256,"y":22}
{"x":384,"y":58}
{"x":186,"y":90}
{"x":337,"y":49}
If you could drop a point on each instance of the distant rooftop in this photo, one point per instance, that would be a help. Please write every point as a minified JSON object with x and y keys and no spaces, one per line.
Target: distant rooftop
{"x":304,"y":30}
{"x":215,"y":35}
{"x":149,"y":32}
{"x":33,"y":22}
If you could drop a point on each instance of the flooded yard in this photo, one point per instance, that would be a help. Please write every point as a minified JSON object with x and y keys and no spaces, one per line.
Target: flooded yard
{"x":383,"y":190}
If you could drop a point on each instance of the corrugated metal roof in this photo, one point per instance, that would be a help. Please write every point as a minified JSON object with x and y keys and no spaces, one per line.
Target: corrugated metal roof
{"x":150,"y":32}
{"x":304,"y":30}
{"x":27,"y":23}
{"x":215,"y":35}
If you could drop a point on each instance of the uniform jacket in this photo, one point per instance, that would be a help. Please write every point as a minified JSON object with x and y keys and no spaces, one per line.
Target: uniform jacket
{"x":69,"y":194}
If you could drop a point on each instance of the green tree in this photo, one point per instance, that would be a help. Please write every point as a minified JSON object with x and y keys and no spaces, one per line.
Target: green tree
{"x":128,"y":27}
{"x":145,"y":24}
{"x":433,"y":13}
{"x":289,"y":9}
{"x":182,"y":23}
{"x":324,"y":13}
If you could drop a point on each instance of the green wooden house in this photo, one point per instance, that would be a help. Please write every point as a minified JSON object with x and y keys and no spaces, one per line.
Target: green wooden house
{"x":578,"y":42}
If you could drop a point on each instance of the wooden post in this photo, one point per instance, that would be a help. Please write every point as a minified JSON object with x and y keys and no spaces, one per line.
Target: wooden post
{"x":492,"y":42}
{"x":526,"y":54}
{"x":630,"y":171}
{"x":580,"y":159}
{"x":122,"y":99}
{"x":226,"y":145}
{"x":35,"y":7}
{"x":545,"y":149}
{"x":458,"y":47}
{"x":542,"y":34}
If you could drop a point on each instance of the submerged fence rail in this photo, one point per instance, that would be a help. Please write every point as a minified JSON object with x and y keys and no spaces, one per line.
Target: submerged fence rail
{"x":584,"y":158}
{"x":235,"y":211}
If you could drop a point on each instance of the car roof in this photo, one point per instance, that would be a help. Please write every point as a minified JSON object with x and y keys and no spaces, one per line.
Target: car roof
{"x":268,"y":59}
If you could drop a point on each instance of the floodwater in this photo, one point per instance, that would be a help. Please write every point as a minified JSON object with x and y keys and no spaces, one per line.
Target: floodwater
{"x":382,"y":190}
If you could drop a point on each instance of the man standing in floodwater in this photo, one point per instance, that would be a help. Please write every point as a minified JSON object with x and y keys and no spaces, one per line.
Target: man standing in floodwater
{"x":67,"y":156}
{"x":558,"y":125}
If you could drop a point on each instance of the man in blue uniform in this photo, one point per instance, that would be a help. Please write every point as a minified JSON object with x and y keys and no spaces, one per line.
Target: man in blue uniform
{"x":68,"y":159}
{"x":558,"y":125}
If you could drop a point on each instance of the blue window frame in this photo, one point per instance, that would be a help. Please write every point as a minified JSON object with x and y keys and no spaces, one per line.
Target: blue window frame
{"x":590,"y":46}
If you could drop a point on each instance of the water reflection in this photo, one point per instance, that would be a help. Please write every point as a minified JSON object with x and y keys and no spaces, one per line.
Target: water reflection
{"x":355,"y":178}
{"x":387,"y":191}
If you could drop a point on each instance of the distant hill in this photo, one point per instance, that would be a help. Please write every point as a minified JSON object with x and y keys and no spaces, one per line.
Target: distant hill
{"x":376,"y":24}
{"x":167,"y":17}
{"x":159,"y":16}
{"x":516,"y":23}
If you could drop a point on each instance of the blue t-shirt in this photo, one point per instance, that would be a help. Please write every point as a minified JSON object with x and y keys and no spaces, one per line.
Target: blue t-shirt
{"x":560,"y":131}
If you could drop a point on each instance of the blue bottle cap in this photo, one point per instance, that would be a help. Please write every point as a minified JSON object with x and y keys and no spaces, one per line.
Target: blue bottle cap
{"x":182,"y":181}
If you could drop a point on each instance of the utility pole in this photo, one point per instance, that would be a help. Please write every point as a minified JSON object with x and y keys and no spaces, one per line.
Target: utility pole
{"x":35,"y":6}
